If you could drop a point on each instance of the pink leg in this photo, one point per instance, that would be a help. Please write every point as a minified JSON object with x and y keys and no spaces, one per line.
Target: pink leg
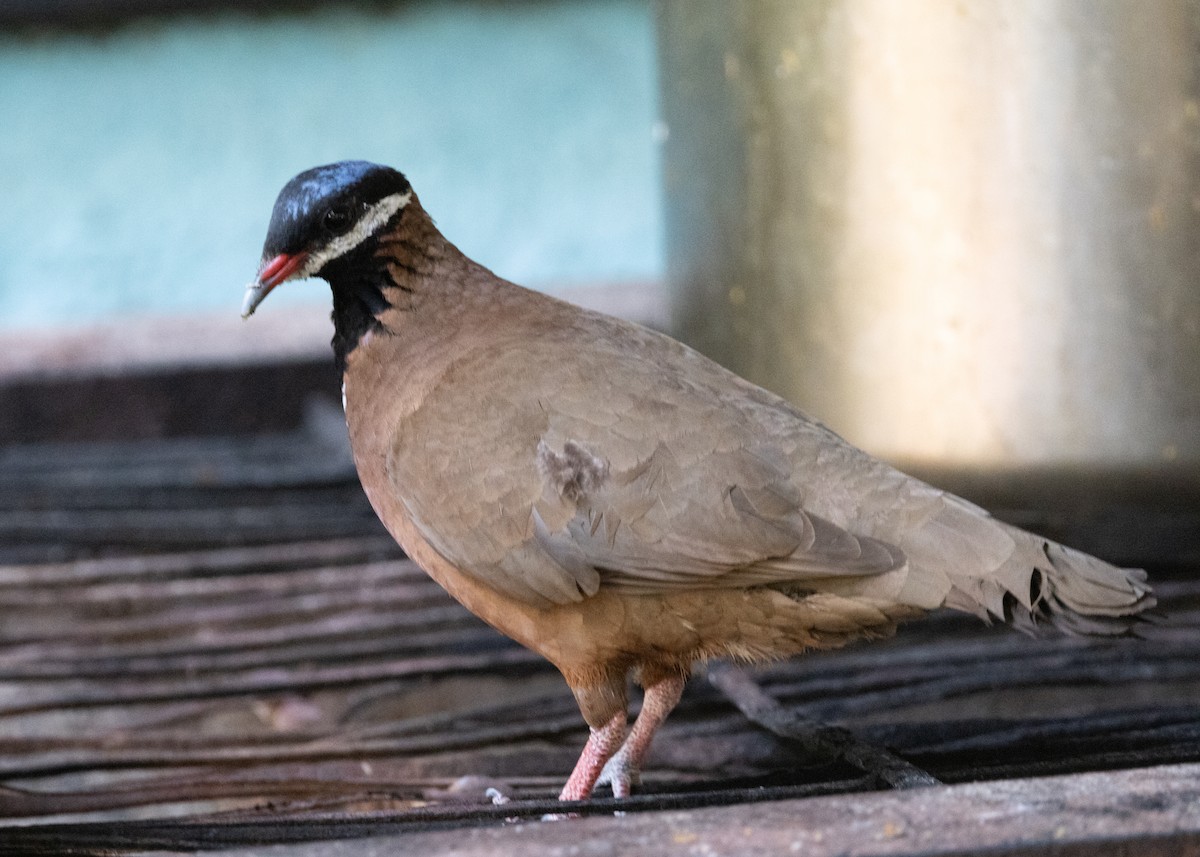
{"x":623,"y":770}
{"x":601,"y":744}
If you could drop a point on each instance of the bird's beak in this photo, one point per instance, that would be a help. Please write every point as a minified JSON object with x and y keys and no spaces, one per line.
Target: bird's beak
{"x":273,"y":272}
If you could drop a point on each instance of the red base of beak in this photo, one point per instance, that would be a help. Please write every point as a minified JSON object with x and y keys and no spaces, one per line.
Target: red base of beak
{"x":280,"y":268}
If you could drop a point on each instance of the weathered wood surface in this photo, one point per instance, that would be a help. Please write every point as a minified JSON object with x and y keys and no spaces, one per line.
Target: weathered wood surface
{"x":211,"y":642}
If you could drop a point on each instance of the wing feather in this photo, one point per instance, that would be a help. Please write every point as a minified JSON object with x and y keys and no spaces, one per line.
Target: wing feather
{"x":568,"y":477}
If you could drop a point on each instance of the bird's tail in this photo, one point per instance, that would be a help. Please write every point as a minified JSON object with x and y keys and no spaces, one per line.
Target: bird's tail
{"x":1002,"y":573}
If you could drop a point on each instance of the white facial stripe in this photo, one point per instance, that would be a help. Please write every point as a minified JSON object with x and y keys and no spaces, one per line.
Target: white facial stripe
{"x":370,"y":223}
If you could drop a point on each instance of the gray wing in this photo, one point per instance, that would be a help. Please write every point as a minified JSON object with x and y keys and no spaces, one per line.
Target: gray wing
{"x":547,"y":477}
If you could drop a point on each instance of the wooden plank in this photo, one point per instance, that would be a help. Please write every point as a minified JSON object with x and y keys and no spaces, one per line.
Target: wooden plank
{"x":1147,"y":812}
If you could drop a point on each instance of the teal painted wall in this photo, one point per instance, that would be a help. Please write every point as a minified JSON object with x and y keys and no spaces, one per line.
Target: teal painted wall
{"x":138,"y":167}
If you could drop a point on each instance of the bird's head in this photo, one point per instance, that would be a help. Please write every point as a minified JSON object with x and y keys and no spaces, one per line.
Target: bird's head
{"x":322,"y":216}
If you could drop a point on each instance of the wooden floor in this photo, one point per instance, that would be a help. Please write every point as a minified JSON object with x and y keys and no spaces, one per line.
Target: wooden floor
{"x":210,"y":643}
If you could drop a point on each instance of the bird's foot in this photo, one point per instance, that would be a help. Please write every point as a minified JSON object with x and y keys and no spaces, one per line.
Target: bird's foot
{"x":601,"y":745}
{"x":621,"y":772}
{"x":624,"y":770}
{"x":614,"y":754}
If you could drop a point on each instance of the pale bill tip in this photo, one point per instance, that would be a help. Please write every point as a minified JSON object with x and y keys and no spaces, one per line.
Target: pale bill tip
{"x":255,"y":292}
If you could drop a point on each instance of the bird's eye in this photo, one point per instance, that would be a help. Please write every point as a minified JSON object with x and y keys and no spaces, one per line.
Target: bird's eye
{"x":337,"y":221}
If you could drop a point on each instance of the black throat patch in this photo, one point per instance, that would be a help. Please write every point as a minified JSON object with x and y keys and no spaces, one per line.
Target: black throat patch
{"x":357,"y":281}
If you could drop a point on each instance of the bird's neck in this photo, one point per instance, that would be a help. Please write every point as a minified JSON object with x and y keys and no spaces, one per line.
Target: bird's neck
{"x":358,"y":300}
{"x":383,"y":280}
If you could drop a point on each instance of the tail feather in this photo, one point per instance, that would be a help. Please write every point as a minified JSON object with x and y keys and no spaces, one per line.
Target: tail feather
{"x":1002,"y":573}
{"x":1087,"y":595}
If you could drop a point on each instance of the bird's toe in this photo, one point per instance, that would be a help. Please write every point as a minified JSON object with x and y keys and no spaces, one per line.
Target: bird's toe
{"x":622,"y":774}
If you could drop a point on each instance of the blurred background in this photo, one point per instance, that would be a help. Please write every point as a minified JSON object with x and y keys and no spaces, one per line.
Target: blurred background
{"x":962,"y":235}
{"x":144,"y":143}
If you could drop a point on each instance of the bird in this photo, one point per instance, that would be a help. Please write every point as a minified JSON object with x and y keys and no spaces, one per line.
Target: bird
{"x":615,"y":501}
